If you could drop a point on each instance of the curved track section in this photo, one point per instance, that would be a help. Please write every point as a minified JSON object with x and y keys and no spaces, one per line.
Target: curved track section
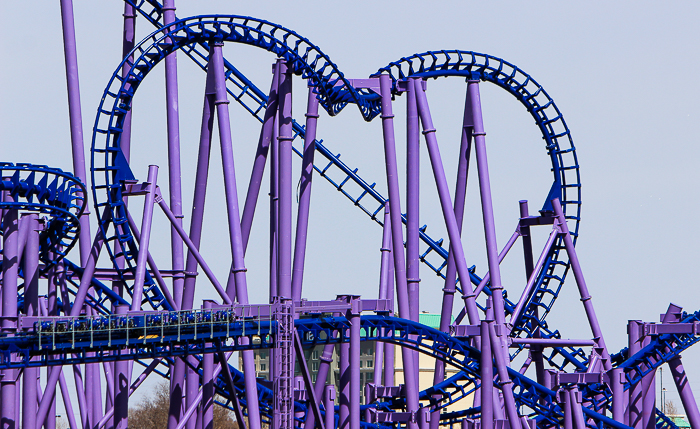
{"x":51,"y":192}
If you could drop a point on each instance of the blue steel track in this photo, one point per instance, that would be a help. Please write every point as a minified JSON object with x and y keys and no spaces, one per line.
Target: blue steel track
{"x":58,"y":194}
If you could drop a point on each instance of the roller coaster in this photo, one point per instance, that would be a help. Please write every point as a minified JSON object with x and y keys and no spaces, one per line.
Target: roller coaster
{"x":113,"y":327}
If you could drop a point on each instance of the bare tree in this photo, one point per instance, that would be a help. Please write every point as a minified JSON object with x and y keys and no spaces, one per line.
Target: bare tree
{"x":670,"y":408}
{"x":152,"y":412}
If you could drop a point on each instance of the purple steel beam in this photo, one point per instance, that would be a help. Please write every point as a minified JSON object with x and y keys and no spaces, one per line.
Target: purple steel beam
{"x":200,"y":190}
{"x":307,"y":170}
{"x":504,"y":379}
{"x":684,"y":391}
{"x":648,"y":395}
{"x":135,"y":385}
{"x":451,"y":271}
{"x":274,"y":218}
{"x":306,"y":375}
{"x":568,"y":410}
{"x":65,"y":394}
{"x":635,"y":392}
{"x":412,"y":206}
{"x":446,"y":203}
{"x":321,"y":377}
{"x":193,"y":249}
{"x":354,"y":319}
{"x":121,"y":386}
{"x":581,"y":283}
{"x":207,"y":384}
{"x":575,"y":404}
{"x":31,"y":308}
{"x":75,"y":119}
{"x":530,"y":286}
{"x":284,"y":237}
{"x":486,"y":367}
{"x":152,"y":265}
{"x":618,"y":391}
{"x":409,"y":369}
{"x":328,"y":401}
{"x":146,"y":223}
{"x":10,"y":266}
{"x":344,"y":386}
{"x":266,"y":138}
{"x":241,"y":288}
{"x":384,"y":281}
{"x":174,"y":169}
{"x":486,"y":204}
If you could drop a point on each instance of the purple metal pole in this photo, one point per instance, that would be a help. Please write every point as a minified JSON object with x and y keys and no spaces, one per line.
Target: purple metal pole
{"x":446,"y":203}
{"x":121,"y":386}
{"x":10,"y":265}
{"x":635,"y":392}
{"x":568,"y":409}
{"x":383,"y":288}
{"x":31,"y":308}
{"x":75,"y":119}
{"x":486,"y":367}
{"x":344,"y":386}
{"x":684,"y":391}
{"x":307,"y":170}
{"x":274,"y":219}
{"x":648,"y":395}
{"x":329,"y":399}
{"x":486,"y":204}
{"x":581,"y":283}
{"x":174,"y":170}
{"x":451,"y":271}
{"x":240,"y":287}
{"x":146,"y":222}
{"x":354,"y":318}
{"x":410,"y":373}
{"x":65,"y":394}
{"x":618,"y":391}
{"x":529,"y":287}
{"x":504,"y":379}
{"x":321,"y":377}
{"x":200,"y":190}
{"x":412,"y":205}
{"x":284,"y":237}
{"x":266,"y":138}
{"x":208,"y":384}
{"x":575,"y":401}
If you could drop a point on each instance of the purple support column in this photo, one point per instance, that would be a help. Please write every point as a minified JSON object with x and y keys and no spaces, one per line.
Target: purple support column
{"x":344,"y":386}
{"x":145,"y":238}
{"x":274,"y":219}
{"x":174,"y":170}
{"x":284,"y":237}
{"x":409,"y":369}
{"x":384,"y":289}
{"x":208,"y":384}
{"x":575,"y":401}
{"x":446,"y":202}
{"x":240,"y":287}
{"x":634,"y":328}
{"x":486,"y":203}
{"x":31,"y":308}
{"x":354,"y":318}
{"x":121,"y":387}
{"x":412,"y":209}
{"x":307,"y":170}
{"x":684,"y":391}
{"x":266,"y":138}
{"x":618,"y":391}
{"x":75,"y":119}
{"x":568,"y":409}
{"x":321,"y":377}
{"x":451,"y":270}
{"x":10,"y":265}
{"x":581,"y":283}
{"x":648,"y":395}
{"x":504,"y":379}
{"x":486,"y":366}
{"x":328,"y":401}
